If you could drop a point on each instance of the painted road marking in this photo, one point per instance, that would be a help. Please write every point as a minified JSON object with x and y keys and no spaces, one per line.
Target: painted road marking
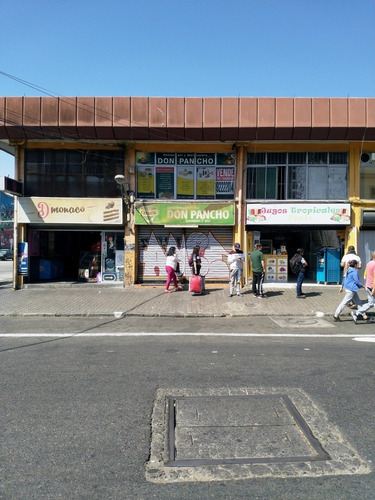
{"x":186,"y":334}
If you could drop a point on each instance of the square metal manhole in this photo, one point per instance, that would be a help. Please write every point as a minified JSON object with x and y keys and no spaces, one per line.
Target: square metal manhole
{"x":241,"y":433}
{"x":258,"y":428}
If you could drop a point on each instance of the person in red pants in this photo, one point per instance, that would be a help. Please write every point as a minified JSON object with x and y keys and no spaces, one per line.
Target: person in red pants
{"x":170,"y":267}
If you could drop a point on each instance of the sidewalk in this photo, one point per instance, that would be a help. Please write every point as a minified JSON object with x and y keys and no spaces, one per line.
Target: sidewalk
{"x":146,"y":300}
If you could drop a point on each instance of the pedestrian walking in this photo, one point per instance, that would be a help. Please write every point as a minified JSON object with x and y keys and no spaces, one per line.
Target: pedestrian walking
{"x":258,"y":266}
{"x":298,"y":265}
{"x":350,"y":255}
{"x":235,"y":259}
{"x":351,"y":285}
{"x":370,"y":290}
{"x":170,"y":267}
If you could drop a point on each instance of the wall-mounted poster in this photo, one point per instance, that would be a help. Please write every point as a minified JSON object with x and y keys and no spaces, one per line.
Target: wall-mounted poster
{"x":224,"y":182}
{"x":185,"y":182}
{"x":165,"y":183}
{"x":226,"y":159}
{"x":146,"y":182}
{"x":143,"y":158}
{"x":206,"y":182}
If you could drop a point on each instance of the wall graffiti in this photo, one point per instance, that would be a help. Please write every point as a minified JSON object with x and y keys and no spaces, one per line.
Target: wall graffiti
{"x":213,"y":253}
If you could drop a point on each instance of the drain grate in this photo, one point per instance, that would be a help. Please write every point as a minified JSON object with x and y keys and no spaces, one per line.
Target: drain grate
{"x":246,"y":429}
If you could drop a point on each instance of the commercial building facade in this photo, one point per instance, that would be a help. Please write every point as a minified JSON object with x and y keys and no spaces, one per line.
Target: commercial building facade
{"x":289,"y":172}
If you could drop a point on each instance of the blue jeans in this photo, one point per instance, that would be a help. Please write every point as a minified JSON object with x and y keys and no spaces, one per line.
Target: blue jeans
{"x":300,"y":278}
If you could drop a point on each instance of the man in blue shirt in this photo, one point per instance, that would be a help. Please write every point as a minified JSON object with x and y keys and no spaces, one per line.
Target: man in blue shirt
{"x":351,"y":285}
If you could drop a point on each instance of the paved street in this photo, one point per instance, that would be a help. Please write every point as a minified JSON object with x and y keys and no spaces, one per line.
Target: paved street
{"x":86,"y":372}
{"x":76,"y":413}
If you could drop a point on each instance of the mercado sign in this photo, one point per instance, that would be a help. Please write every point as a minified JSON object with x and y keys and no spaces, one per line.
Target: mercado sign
{"x":298,"y":213}
{"x":172,"y":214}
{"x":70,"y":210}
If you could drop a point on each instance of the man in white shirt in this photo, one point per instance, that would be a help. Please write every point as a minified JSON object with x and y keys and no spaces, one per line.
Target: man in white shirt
{"x":235,"y":259}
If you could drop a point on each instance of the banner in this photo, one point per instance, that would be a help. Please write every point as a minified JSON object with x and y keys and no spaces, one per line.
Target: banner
{"x":70,"y":210}
{"x":200,"y":214}
{"x":298,"y":214}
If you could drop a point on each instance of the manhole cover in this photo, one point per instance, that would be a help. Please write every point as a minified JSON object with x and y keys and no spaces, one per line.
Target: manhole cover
{"x":297,"y":322}
{"x":209,"y":430}
{"x":222,"y":434}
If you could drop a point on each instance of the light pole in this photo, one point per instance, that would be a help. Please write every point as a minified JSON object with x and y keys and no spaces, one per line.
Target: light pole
{"x":126,"y":193}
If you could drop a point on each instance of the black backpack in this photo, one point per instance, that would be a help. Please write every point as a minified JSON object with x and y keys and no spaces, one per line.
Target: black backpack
{"x":295,"y":263}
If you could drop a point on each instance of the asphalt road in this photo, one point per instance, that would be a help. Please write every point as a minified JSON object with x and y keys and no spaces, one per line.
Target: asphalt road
{"x":76,"y":411}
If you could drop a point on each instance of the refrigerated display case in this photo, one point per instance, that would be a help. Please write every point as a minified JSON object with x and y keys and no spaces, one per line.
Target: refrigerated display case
{"x":328,"y":265}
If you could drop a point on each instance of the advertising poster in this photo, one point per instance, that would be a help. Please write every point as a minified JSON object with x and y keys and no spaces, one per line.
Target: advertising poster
{"x":165,"y":158}
{"x":226,"y":159}
{"x":206,"y":182}
{"x":186,"y":159}
{"x":23,"y":259}
{"x":165,"y":182}
{"x":185,"y":182}
{"x":143,"y":158}
{"x":146,"y":182}
{"x":224,"y":182}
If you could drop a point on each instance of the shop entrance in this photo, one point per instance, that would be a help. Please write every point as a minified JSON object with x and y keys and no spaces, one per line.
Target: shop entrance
{"x":282,"y":243}
{"x":75,"y":255}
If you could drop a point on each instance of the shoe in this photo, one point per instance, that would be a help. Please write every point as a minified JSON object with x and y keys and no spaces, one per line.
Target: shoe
{"x":230,"y":295}
{"x":178,"y":289}
{"x":167,"y":291}
{"x":353,"y":306}
{"x":239,"y":295}
{"x":261,"y":296}
{"x":354,"y":316}
{"x":364,"y":316}
{"x":302,"y":296}
{"x":255,"y":295}
{"x":336,"y":318}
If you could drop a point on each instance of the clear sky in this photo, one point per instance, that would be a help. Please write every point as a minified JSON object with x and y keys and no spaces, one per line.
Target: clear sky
{"x":280,"y":48}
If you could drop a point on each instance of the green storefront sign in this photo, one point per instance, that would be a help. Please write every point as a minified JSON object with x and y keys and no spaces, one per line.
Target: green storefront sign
{"x":171,"y":214}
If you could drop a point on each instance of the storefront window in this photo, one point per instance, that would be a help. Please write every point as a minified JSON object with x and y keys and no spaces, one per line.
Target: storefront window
{"x":184,"y":176}
{"x":297,"y":176}
{"x":72,"y":174}
{"x":367,"y":180}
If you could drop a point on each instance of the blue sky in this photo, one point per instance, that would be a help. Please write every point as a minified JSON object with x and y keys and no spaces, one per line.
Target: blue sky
{"x":281,"y":48}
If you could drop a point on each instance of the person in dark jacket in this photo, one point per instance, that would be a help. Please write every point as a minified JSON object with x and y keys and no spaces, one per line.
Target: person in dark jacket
{"x":301,"y":273}
{"x":351,"y":284}
{"x":196,"y":261}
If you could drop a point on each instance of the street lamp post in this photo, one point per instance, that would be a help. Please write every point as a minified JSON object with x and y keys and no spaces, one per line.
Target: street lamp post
{"x":126,"y":193}
{"x":129,"y":244}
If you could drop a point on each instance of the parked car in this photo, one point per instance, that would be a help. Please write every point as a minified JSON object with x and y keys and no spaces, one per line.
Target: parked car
{"x":6,"y":255}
